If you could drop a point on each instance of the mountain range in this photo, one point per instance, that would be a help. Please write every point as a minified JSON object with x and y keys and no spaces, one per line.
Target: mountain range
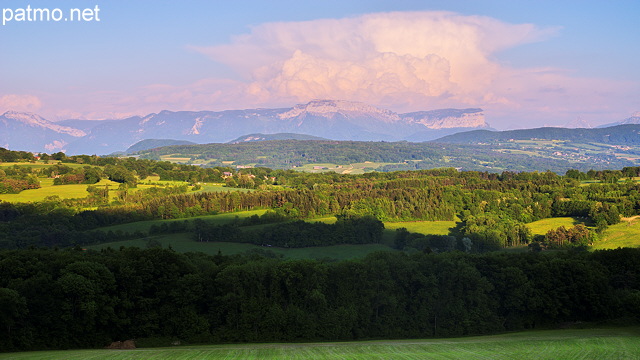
{"x":329,"y":119}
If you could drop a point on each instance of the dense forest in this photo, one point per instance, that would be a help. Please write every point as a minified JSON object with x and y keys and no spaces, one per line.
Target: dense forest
{"x":54,"y":294}
{"x":70,"y":299}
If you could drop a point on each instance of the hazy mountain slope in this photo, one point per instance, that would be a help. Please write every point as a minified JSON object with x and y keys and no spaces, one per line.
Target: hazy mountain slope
{"x":30,"y":132}
{"x":620,"y":135}
{"x":329,"y":119}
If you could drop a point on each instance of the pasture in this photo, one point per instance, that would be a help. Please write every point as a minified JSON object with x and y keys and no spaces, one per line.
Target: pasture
{"x":541,"y":227}
{"x":613,"y":343}
{"x":354,"y":169}
{"x":624,"y":234}
{"x":77,"y":191}
{"x":47,"y":189}
{"x":154,"y":180}
{"x":423,"y":227}
{"x":39,"y":164}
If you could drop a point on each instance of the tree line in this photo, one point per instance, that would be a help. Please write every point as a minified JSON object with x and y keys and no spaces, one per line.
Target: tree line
{"x":73,"y":298}
{"x":295,"y":234}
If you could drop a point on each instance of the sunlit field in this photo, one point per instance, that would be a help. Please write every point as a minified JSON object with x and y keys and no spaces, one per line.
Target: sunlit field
{"x":47,"y":189}
{"x":541,"y":227}
{"x":624,"y":234}
{"x":423,"y":227}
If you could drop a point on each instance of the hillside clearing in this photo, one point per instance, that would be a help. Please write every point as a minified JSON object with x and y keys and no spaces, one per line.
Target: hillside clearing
{"x":624,"y":234}
{"x":423,"y":227}
{"x":47,"y":189}
{"x":541,"y":227}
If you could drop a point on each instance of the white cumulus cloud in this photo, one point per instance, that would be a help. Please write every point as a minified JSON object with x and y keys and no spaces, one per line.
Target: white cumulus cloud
{"x":400,"y":59}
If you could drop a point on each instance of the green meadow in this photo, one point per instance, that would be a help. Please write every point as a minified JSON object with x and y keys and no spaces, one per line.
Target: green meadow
{"x":423,"y":227}
{"x":76,"y":191}
{"x":541,"y":227}
{"x":38,"y":164}
{"x":47,"y":189}
{"x":354,"y":169}
{"x":604,"y":343}
{"x":624,"y":234}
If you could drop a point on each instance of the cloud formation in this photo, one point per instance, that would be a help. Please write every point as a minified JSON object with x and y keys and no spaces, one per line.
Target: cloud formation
{"x":402,"y":61}
{"x":15,"y":102}
{"x":399,"y":59}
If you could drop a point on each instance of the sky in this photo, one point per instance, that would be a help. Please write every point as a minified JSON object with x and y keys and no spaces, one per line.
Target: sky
{"x":526,"y":63}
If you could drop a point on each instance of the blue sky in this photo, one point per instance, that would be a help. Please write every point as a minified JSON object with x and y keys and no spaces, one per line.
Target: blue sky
{"x":527,"y":63}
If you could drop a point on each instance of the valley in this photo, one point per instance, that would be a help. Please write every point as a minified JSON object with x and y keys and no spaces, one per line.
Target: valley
{"x":176,"y":252}
{"x":359,"y":157}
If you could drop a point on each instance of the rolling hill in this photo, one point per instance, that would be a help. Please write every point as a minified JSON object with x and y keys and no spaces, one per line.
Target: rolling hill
{"x":627,"y":134}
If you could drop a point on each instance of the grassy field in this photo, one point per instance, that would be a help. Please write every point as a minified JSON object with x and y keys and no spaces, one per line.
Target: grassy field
{"x":76,"y":191}
{"x":423,"y":227}
{"x":354,"y":169}
{"x":38,"y":164}
{"x":615,"y":343}
{"x":48,"y":189}
{"x":624,"y":234}
{"x":541,"y":227}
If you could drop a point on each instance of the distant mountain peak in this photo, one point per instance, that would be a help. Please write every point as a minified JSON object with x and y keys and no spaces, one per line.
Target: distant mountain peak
{"x":24,"y":117}
{"x":35,"y":120}
{"x":330,"y":108}
{"x":448,"y":118}
{"x":634,"y":119}
{"x":578,"y":123}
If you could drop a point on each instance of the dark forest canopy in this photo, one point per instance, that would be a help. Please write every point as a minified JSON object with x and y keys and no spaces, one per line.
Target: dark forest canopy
{"x":74,"y":298}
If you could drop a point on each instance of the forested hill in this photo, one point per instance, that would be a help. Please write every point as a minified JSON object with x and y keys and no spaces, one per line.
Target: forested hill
{"x":392,"y":156}
{"x":619,"y":135}
{"x":290,"y":153}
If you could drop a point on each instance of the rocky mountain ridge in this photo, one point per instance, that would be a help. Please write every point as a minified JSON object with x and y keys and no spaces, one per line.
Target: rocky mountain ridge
{"x":330,"y":119}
